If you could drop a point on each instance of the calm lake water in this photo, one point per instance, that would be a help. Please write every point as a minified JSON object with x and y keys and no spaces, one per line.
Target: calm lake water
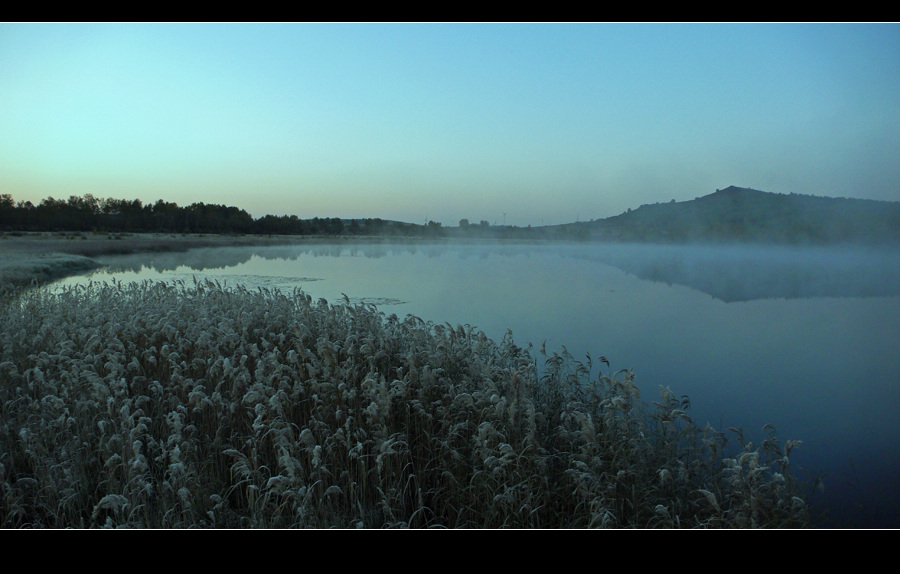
{"x":805,"y":339}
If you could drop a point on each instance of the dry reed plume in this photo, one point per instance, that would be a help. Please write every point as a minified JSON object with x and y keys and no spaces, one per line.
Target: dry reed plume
{"x":171,"y":405}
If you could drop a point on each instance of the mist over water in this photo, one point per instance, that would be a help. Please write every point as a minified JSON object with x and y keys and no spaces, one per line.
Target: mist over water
{"x":802,"y":338}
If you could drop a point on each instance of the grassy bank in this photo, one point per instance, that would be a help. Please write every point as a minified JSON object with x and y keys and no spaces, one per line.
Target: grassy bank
{"x":159,"y":405}
{"x":95,"y":244}
{"x":16,"y":271}
{"x":28,"y":259}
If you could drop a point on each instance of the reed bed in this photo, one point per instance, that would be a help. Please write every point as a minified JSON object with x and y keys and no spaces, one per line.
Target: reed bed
{"x":173,"y":405}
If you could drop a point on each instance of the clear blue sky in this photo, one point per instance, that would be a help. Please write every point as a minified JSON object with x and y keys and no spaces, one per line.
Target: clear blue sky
{"x":547,"y":123}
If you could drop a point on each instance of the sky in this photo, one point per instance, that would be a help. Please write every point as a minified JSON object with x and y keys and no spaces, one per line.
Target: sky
{"x":516,"y":123}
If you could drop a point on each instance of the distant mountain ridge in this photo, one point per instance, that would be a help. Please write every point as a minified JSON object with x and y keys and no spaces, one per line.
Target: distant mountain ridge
{"x":738,"y":214}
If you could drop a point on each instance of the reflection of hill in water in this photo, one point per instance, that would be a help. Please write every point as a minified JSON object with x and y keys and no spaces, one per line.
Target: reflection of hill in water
{"x":746,"y":273}
{"x":728,"y":273}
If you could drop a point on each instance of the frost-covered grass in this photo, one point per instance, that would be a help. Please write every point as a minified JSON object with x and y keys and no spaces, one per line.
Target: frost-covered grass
{"x":22,"y":270}
{"x":173,"y":405}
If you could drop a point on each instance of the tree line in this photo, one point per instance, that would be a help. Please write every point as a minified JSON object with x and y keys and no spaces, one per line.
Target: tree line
{"x":91,"y":214}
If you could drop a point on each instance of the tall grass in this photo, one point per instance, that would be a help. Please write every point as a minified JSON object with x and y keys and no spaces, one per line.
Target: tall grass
{"x":177,"y":405}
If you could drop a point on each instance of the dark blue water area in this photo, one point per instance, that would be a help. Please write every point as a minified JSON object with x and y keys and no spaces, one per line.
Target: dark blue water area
{"x":804,"y":339}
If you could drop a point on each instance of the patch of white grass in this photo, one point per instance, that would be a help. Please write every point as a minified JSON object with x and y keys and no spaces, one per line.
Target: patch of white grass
{"x":23,"y":269}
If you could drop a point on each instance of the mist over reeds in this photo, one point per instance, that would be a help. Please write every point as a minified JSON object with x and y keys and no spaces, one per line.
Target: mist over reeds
{"x":175,"y":405}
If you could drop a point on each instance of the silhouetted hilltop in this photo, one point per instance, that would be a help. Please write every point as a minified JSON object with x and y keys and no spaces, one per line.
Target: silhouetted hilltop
{"x":737,"y":214}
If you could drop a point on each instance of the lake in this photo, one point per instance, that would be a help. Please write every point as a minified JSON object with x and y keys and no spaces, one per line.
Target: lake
{"x":806,"y":339}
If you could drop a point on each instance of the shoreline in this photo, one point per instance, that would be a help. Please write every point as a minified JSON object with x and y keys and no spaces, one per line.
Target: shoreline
{"x":35,"y":258}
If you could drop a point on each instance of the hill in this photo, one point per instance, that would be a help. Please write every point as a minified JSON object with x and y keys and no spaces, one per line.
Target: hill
{"x":737,"y":214}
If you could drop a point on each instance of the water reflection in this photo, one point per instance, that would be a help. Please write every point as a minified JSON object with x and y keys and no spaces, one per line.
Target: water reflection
{"x":729,"y":273}
{"x":741,"y":273}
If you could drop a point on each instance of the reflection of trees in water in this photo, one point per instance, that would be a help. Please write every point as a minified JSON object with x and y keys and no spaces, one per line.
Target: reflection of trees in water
{"x":222,"y":258}
{"x":195,"y":259}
